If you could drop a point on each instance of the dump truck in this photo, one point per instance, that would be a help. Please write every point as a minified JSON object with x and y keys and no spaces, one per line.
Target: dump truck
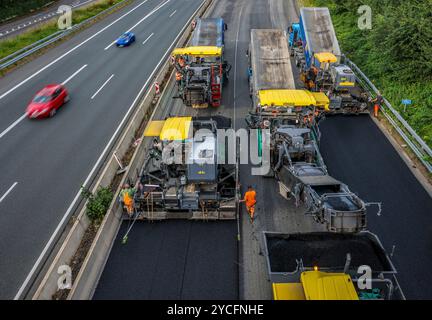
{"x":201,"y":70}
{"x":275,"y":100}
{"x":181,"y":176}
{"x":302,"y":175}
{"x":329,"y":266}
{"x":209,"y":32}
{"x":316,"y":51}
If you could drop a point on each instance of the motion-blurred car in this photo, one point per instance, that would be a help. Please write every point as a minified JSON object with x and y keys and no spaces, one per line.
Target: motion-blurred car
{"x":125,"y":39}
{"x":47,"y":101}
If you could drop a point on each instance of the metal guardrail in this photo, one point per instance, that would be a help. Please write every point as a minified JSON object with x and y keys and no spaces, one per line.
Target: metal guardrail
{"x":408,"y":134}
{"x":25,"y":52}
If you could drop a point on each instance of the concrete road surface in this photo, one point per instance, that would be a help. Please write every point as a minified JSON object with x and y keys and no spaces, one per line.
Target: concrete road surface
{"x":44,"y":162}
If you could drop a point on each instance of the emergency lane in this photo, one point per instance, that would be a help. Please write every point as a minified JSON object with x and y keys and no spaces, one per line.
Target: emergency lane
{"x":51,"y":158}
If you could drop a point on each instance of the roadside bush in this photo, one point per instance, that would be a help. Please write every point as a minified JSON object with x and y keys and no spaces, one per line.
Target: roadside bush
{"x":97,"y":204}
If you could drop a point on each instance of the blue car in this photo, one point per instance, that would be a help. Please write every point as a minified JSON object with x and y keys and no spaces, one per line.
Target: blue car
{"x":125,"y":39}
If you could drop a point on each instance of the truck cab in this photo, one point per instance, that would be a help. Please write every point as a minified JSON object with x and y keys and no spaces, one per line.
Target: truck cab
{"x":201,"y":68}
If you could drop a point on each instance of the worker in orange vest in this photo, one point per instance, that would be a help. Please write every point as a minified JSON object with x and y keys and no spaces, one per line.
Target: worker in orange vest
{"x":126,"y":196}
{"x":181,"y":61}
{"x":378,"y":102}
{"x":179,"y":77}
{"x":250,"y":199}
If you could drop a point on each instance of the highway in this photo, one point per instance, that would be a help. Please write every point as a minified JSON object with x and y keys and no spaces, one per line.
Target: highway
{"x":45,"y":162}
{"x":355,"y":151}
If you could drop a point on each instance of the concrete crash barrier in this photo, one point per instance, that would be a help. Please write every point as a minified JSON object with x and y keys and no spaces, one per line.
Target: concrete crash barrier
{"x":85,"y":283}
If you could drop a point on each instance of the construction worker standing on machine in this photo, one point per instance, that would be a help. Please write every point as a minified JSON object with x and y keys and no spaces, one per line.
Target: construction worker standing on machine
{"x":181,"y":62}
{"x":126,"y":196}
{"x":179,"y":78}
{"x":250,"y":199}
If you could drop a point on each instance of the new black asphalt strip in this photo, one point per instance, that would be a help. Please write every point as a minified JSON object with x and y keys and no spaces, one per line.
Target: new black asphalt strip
{"x":357,"y":153}
{"x":173,"y":260}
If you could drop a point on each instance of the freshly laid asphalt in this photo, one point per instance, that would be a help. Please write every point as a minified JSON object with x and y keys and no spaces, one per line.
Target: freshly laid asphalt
{"x":357,"y":153}
{"x":173,"y":260}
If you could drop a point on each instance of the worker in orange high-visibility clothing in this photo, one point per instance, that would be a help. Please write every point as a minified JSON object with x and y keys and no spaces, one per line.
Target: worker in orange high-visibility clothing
{"x":378,"y":103}
{"x":250,"y":199}
{"x":181,"y":62}
{"x":126,"y":196}
{"x":179,"y":78}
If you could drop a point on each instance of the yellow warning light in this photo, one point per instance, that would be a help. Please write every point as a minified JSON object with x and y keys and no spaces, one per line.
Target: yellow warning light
{"x":315,"y":268}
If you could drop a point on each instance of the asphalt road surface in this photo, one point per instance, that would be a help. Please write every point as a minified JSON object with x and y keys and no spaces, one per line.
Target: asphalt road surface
{"x":357,"y":152}
{"x":173,"y":260}
{"x":45,"y":162}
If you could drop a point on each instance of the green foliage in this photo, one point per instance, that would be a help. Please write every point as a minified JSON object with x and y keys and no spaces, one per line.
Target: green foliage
{"x":396,"y":53}
{"x":97,"y":204}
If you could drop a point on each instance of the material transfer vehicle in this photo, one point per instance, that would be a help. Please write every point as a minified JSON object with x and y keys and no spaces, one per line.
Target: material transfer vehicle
{"x":201,"y":70}
{"x":317,"y":54}
{"x":302,"y":175}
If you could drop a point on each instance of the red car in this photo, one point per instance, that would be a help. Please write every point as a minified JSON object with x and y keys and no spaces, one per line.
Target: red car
{"x":47,"y":101}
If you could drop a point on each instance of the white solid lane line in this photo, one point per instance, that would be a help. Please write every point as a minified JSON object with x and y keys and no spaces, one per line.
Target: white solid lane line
{"x":12,"y":125}
{"x":93,"y":170}
{"x":8,"y":191}
{"x":102,"y":86}
{"x":109,"y":46}
{"x":68,"y":52}
{"x":145,"y":17}
{"x":148,"y":38}
{"x":74,"y":74}
{"x":173,"y":13}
